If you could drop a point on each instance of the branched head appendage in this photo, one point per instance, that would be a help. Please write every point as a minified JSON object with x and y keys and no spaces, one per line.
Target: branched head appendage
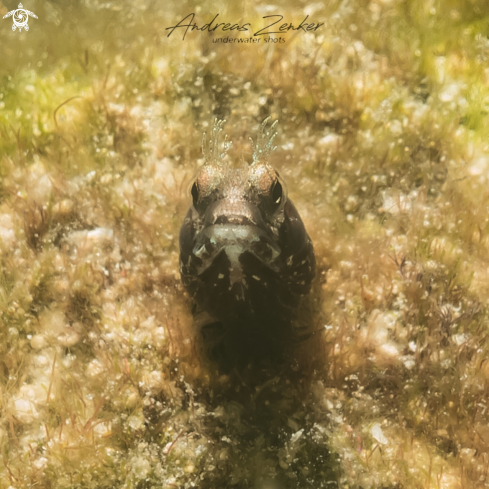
{"x":211,"y":152}
{"x":264,"y":143}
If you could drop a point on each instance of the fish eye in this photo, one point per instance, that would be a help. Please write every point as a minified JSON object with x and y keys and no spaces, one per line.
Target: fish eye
{"x":277,"y":193}
{"x":195,"y":193}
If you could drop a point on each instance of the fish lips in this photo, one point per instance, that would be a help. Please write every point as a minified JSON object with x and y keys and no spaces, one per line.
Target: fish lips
{"x":235,"y":229}
{"x":234,"y":239}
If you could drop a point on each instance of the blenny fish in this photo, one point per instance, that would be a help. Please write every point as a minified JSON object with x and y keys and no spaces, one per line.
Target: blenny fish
{"x":245,"y":256}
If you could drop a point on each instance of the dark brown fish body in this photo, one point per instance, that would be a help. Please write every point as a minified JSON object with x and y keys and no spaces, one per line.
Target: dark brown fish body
{"x":245,"y":257}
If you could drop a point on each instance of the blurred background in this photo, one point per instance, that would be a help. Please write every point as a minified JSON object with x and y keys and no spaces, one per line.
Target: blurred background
{"x":383,"y":145}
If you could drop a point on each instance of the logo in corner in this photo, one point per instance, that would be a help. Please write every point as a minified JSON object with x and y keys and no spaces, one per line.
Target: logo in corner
{"x":20,"y":18}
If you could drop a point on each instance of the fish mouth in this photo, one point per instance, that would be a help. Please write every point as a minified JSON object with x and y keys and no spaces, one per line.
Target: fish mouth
{"x":235,"y":227}
{"x":235,"y":239}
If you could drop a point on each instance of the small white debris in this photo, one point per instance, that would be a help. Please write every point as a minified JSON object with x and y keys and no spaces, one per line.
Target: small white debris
{"x":64,"y":207}
{"x":296,"y":436}
{"x":395,"y":126}
{"x":155,"y":381}
{"x":312,"y":8}
{"x":103,"y":429}
{"x":7,"y":234}
{"x":408,"y":361}
{"x":377,"y":434}
{"x":53,"y":322}
{"x":69,"y":338}
{"x":450,"y":92}
{"x":396,"y":202}
{"x":135,"y":422}
{"x":39,"y":184}
{"x":141,"y":467}
{"x":467,"y":455}
{"x":38,"y":342}
{"x":389,"y":350}
{"x":330,"y":142}
{"x":25,"y":411}
{"x":479,"y":165}
{"x":88,"y":239}
{"x":460,"y":339}
{"x":94,"y":368}
{"x":40,"y":463}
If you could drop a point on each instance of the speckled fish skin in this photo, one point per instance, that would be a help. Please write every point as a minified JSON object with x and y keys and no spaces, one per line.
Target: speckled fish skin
{"x":245,"y":256}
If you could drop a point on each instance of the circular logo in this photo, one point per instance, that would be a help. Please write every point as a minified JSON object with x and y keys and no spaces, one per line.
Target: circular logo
{"x":20,"y":19}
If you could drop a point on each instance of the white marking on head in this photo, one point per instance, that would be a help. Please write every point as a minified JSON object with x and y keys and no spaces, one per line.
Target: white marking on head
{"x":233,"y":253}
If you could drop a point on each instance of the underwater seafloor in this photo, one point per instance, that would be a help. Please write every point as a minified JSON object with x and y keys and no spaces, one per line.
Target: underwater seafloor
{"x":383,"y":142}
